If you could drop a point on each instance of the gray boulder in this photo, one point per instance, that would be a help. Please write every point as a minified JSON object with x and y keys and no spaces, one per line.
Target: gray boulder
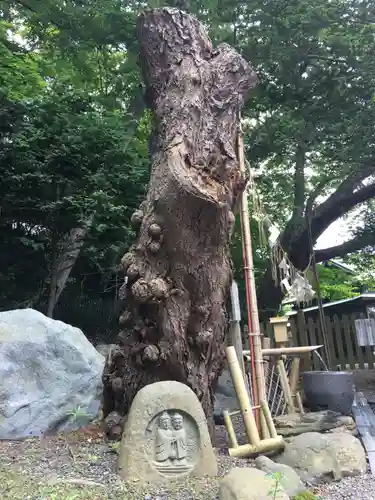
{"x":316,"y":456}
{"x":289,"y":479}
{"x":50,"y":375}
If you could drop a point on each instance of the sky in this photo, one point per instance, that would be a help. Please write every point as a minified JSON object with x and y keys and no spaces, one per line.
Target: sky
{"x":336,"y":234}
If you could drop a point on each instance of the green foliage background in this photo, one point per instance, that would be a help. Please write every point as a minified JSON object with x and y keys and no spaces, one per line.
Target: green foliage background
{"x":74,"y":135}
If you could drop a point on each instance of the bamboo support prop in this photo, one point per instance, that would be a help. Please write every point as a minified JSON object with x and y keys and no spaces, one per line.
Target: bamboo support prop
{"x":293,"y":382}
{"x":294,"y":375}
{"x":258,"y":382}
{"x":289,"y":385}
{"x":256,"y":445}
{"x":299,"y":403}
{"x":285,"y":386}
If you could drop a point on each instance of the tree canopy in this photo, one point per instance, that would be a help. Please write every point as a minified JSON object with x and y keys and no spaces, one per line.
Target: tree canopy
{"x":75,"y":131}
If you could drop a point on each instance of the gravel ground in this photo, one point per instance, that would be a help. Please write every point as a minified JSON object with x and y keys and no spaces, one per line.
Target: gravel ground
{"x":82,"y":465}
{"x":350,"y":488}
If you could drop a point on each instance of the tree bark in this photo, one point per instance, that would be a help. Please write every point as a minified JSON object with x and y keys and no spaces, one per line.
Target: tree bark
{"x":53,"y":281}
{"x":178,"y":274}
{"x":69,"y":253}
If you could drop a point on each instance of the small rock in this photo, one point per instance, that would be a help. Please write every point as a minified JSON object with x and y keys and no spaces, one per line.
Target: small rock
{"x":289,"y":478}
{"x":250,"y":484}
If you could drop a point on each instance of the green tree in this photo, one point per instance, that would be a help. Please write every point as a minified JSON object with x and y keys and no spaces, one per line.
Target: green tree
{"x":336,"y":284}
{"x":70,"y":166}
{"x":312,"y":144}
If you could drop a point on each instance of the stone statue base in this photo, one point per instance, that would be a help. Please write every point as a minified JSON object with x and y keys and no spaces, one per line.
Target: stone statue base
{"x":172,"y":470}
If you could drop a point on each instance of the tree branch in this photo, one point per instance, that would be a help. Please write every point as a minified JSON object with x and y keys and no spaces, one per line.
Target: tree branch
{"x":358,"y":243}
{"x":31,"y":8}
{"x":346,"y":197}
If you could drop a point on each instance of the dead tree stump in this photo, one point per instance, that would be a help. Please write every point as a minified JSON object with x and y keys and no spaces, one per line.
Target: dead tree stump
{"x":178,"y":273}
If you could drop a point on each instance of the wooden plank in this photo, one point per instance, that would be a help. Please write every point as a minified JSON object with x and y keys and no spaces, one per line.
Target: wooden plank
{"x":349,"y":340}
{"x":339,"y":340}
{"x":311,"y":326}
{"x":306,"y":360}
{"x":369,"y":350}
{"x":365,"y":331}
{"x":331,"y":345}
{"x":358,"y":349}
{"x":335,"y":351}
{"x":365,"y":422}
{"x":301,"y":327}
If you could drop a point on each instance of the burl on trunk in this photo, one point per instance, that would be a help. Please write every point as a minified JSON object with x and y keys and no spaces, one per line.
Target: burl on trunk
{"x":178,"y":273}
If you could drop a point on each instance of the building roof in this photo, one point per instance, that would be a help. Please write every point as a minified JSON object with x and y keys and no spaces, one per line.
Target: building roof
{"x":363,"y":296}
{"x":341,"y":266}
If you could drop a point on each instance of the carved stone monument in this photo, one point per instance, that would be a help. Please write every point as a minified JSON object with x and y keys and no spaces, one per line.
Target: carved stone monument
{"x":166,"y":436}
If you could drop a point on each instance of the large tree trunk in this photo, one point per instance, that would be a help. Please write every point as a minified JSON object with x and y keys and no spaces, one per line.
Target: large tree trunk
{"x":179,"y":270}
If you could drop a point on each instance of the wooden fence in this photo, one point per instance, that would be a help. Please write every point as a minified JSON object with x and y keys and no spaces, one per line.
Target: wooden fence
{"x":344,"y":353}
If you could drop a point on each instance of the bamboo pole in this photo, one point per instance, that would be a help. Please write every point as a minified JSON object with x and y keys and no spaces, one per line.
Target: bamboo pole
{"x":259,"y":387}
{"x":299,"y":403}
{"x":229,"y":426}
{"x":246,"y":450}
{"x":278,"y":351}
{"x":268,"y":417}
{"x":242,"y":397}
